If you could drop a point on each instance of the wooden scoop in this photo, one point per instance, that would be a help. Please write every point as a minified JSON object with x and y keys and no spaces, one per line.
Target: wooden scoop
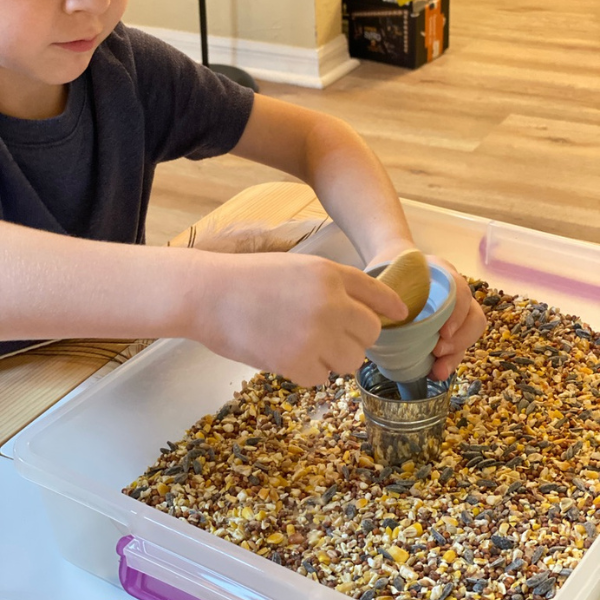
{"x":408,"y":275}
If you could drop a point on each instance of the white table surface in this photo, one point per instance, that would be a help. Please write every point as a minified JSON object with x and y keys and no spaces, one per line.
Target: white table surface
{"x":31,"y":567}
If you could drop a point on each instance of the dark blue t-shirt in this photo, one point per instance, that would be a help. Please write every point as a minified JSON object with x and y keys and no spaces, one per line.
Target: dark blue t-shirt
{"x":88,"y":172}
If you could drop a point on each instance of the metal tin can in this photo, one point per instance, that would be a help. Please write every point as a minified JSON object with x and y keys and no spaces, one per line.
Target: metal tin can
{"x":399,"y":430}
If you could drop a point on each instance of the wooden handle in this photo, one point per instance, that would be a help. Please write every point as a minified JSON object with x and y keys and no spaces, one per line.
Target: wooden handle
{"x":408,"y":276}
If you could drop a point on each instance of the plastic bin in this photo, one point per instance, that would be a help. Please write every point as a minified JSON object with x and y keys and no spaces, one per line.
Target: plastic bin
{"x":83,"y":453}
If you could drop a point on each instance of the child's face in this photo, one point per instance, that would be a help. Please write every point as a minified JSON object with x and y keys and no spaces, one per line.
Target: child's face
{"x":36,"y":36}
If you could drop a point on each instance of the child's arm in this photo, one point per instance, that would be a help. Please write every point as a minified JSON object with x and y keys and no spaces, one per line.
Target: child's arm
{"x":333,"y":159}
{"x":296,"y":315}
{"x":354,"y":188}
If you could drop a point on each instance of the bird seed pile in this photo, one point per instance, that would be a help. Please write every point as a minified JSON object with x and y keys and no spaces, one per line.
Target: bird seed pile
{"x":505,"y":512}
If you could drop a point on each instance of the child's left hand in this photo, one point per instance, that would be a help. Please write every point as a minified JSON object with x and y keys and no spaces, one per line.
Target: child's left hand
{"x":464,"y":327}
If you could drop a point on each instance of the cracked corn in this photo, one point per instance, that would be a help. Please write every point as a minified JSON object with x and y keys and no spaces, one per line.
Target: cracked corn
{"x":506,"y":511}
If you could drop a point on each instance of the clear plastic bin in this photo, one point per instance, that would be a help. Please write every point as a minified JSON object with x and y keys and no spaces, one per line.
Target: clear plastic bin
{"x":83,"y":453}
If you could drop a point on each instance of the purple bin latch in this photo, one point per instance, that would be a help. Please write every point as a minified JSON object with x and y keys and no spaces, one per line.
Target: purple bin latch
{"x":143,"y":586}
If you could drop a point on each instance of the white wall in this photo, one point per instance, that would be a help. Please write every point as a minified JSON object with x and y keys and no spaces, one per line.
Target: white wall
{"x":300,"y":23}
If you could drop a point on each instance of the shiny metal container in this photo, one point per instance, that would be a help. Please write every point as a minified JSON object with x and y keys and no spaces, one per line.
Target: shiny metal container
{"x":399,"y":430}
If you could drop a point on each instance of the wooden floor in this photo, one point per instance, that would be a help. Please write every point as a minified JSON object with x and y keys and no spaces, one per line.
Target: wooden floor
{"x":505,"y":125}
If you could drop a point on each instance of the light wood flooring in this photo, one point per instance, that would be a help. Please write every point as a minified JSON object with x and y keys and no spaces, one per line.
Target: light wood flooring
{"x":505,"y":125}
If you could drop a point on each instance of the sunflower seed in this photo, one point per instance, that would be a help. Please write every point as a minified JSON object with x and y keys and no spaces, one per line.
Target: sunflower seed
{"x":514,"y":487}
{"x":423,"y":472}
{"x":438,"y":537}
{"x":399,"y":583}
{"x":546,"y":488}
{"x":522,"y":360}
{"x":545,"y":586}
{"x":173,"y":470}
{"x":277,"y":418}
{"x":381,"y":583}
{"x":448,"y":588}
{"x":350,"y":510}
{"x":488,"y":462}
{"x":308,"y":566}
{"x":401,"y":486}
{"x":367,"y":525}
{"x":515,"y":565}
{"x":385,"y":554}
{"x":474,"y":388}
{"x":572,"y":450}
{"x":504,"y":543}
{"x":514,"y":462}
{"x":329,"y":494}
{"x":486,"y":483}
{"x":509,"y":366}
{"x":466,"y":517}
{"x":491,"y":300}
{"x":237,"y":452}
{"x":537,"y":579}
{"x":138,"y":491}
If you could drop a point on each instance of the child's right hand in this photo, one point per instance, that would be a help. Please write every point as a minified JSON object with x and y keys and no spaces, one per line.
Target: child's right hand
{"x":297,"y":315}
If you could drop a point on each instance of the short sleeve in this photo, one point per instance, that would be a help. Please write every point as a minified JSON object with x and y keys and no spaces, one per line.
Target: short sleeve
{"x":189,"y":110}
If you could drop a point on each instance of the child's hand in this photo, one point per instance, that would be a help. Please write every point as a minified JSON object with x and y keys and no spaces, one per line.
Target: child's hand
{"x":297,"y":315}
{"x":461,"y":330}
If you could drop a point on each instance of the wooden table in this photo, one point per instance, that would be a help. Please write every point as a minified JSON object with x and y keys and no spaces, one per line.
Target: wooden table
{"x":268,"y":217}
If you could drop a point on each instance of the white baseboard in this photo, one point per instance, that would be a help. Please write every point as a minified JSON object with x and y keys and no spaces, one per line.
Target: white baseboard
{"x":316,"y":68}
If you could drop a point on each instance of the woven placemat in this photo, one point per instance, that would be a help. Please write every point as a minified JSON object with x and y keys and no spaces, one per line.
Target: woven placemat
{"x":32,"y":382}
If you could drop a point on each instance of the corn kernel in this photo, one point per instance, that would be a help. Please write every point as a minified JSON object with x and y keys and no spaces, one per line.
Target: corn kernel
{"x":362,"y":502}
{"x":276,"y":538}
{"x":162,"y":488}
{"x":247,"y":513}
{"x":290,"y":529}
{"x":400,"y":555}
{"x":323,"y":558}
{"x":449,"y":556}
{"x":365,"y":462}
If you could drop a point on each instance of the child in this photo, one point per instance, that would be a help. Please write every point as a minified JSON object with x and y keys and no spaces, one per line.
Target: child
{"x":88,"y":108}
